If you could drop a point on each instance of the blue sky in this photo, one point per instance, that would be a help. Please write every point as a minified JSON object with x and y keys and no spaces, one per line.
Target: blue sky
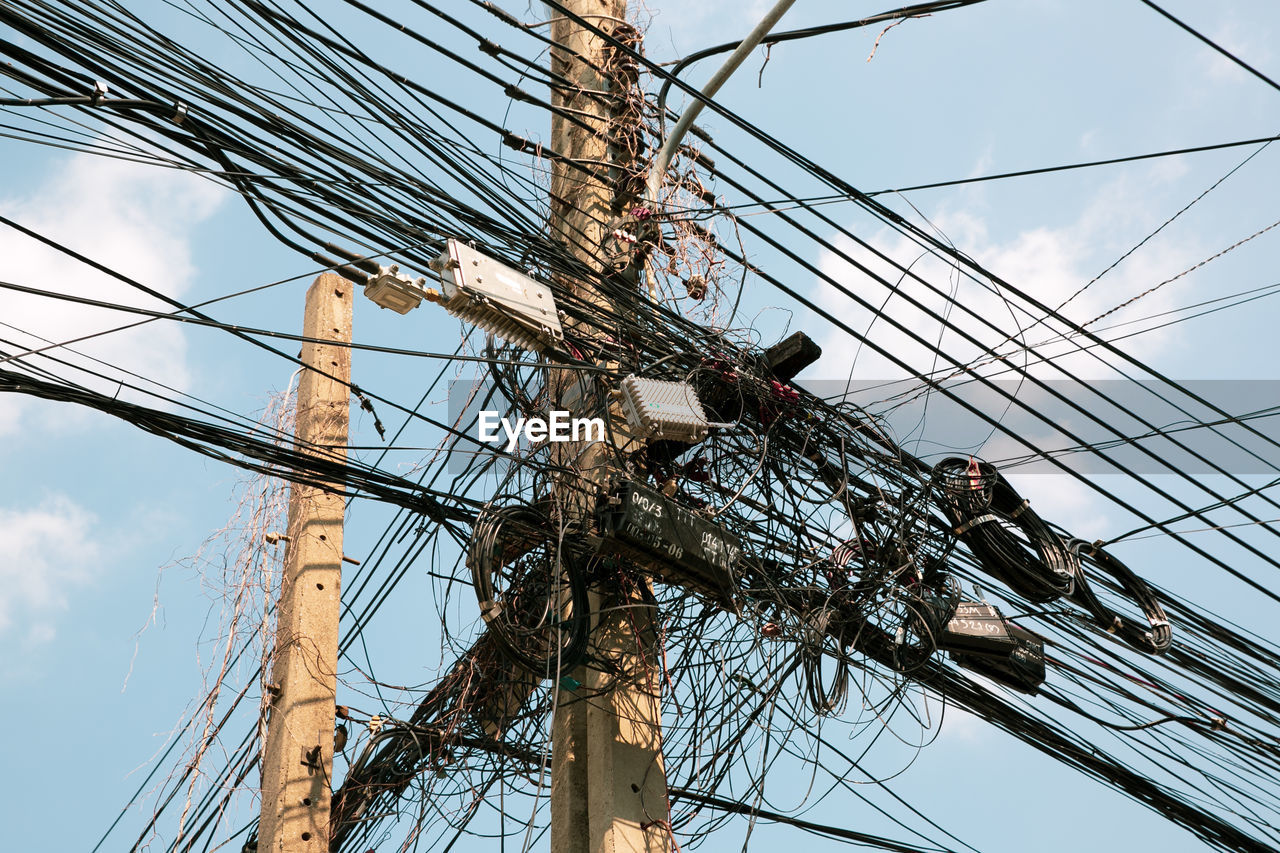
{"x":108,"y":626}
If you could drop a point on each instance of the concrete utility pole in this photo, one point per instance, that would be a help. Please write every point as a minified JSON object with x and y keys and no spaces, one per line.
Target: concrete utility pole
{"x":297,"y":768}
{"x":608,"y":787}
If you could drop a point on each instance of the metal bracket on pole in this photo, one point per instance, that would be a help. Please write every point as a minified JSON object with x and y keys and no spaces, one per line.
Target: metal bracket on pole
{"x":665,"y":154}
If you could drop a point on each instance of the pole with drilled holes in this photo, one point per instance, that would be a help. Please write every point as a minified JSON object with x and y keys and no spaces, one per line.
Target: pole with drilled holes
{"x":297,"y":768}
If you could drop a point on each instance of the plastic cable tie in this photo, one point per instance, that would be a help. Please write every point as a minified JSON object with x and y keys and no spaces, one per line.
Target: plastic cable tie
{"x":179,"y":112}
{"x":1022,"y":507}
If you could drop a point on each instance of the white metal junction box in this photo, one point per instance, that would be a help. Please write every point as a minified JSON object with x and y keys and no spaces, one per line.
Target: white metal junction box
{"x":499,"y":299}
{"x":395,"y":290}
{"x":662,"y":409}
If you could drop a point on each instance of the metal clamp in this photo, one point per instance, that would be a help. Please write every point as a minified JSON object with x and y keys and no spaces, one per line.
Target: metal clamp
{"x":974,"y":522}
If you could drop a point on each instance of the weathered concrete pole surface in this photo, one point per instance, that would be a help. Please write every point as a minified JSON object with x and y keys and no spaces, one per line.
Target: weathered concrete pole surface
{"x":608,"y":788}
{"x":297,"y":769}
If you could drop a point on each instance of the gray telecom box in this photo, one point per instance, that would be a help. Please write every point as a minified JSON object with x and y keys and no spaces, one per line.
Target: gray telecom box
{"x":664,"y":410}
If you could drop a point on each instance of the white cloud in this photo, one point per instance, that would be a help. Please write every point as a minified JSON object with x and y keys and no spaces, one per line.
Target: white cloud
{"x":1050,"y":263}
{"x":133,"y":218}
{"x":964,"y":726}
{"x":48,"y":552}
{"x":1247,"y":42}
{"x":1069,"y":503}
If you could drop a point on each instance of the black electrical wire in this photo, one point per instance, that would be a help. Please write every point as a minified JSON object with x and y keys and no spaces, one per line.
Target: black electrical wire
{"x":913,"y":11}
{"x":811,"y":201}
{"x":1228,"y":54}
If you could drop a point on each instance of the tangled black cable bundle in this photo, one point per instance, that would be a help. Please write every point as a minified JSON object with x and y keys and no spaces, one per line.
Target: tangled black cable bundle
{"x":523,"y":580}
{"x":1154,"y":641}
{"x":817,"y":643}
{"x":1004,"y":533}
{"x":924,"y":612}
